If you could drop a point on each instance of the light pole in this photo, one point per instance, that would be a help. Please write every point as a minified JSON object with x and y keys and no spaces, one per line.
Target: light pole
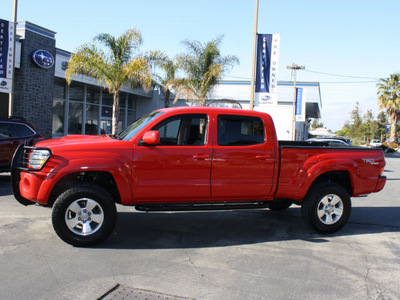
{"x":253,"y":70}
{"x":295,"y":68}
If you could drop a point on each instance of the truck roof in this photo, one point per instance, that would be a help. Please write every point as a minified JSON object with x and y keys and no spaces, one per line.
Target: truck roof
{"x":198,"y":109}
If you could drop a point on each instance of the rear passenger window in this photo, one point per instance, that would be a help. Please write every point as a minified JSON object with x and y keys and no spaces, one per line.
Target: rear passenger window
{"x":240,"y":130}
{"x":24,"y":131}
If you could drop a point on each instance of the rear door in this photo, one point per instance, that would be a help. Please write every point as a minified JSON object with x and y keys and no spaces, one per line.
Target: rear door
{"x":243,"y":160}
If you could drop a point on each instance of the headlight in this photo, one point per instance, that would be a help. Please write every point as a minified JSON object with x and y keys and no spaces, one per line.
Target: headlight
{"x":38,"y":158}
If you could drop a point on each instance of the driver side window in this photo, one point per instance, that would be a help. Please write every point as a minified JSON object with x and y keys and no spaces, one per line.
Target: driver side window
{"x":184,"y":130}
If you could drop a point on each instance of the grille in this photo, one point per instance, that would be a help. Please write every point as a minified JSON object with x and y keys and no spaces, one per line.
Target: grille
{"x":23,"y":161}
{"x":121,"y":292}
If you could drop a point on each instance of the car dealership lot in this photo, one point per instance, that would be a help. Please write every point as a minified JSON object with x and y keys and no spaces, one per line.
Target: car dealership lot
{"x":257,"y":254}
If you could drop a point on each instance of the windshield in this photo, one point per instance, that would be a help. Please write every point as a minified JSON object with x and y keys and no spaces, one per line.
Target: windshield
{"x":136,"y":126}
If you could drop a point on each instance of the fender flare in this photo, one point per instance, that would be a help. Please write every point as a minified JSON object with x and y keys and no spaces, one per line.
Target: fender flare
{"x":118,"y":170}
{"x":347,"y":165}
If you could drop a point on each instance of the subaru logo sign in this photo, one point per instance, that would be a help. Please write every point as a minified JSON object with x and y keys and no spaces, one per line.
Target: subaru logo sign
{"x":42,"y":59}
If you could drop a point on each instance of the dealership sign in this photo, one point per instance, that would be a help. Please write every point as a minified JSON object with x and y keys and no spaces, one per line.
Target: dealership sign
{"x":42,"y":58}
{"x":300,"y":105}
{"x":267,"y":68}
{"x":6,"y":55}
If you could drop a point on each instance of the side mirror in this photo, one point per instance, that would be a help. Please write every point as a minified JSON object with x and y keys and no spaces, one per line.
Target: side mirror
{"x":151,"y":137}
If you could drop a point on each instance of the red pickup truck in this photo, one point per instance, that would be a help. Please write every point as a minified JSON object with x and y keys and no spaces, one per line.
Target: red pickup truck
{"x":191,"y":158}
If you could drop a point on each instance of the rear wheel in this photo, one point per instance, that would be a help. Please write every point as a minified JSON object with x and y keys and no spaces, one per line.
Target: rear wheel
{"x":84,"y":215}
{"x":327,"y":207}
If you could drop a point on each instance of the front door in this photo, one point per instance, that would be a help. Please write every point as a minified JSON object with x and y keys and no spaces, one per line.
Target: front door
{"x":178,"y":169}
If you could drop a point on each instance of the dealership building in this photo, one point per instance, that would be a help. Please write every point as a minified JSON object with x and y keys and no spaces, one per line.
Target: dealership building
{"x":43,"y":97}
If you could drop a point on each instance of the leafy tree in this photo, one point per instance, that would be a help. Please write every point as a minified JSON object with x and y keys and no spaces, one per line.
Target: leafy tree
{"x":355,"y":127}
{"x":381,"y":122}
{"x":112,"y":68}
{"x":367,"y":125}
{"x":203,"y":65}
{"x":389,"y":100}
{"x":316,"y":124}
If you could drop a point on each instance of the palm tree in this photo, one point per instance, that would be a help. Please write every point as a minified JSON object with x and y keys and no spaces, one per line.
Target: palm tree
{"x":389,"y":100}
{"x":168,"y":82}
{"x":113,"y":68}
{"x":204,"y":66}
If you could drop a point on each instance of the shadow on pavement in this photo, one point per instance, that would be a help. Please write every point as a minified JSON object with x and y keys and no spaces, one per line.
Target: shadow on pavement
{"x":157,"y":230}
{"x":5,"y":184}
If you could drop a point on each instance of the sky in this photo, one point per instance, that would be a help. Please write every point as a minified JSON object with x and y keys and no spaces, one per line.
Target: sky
{"x":346,"y":45}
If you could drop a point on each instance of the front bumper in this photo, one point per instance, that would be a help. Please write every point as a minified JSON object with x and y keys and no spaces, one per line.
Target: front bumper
{"x":16,"y":176}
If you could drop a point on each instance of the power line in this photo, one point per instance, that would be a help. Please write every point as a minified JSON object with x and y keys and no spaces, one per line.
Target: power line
{"x":345,"y":82}
{"x":330,"y":74}
{"x":337,"y":75}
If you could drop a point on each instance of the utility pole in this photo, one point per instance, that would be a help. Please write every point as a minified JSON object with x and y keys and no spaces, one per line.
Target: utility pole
{"x":253,"y":69}
{"x":295,"y":68}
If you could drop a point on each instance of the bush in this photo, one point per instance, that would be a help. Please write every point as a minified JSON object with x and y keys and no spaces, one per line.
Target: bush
{"x":393,"y":145}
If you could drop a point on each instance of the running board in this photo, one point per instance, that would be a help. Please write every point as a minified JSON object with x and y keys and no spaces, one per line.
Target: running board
{"x":208,"y":206}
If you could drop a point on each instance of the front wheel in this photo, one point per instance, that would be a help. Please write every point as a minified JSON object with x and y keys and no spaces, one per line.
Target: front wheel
{"x":84,"y":215}
{"x":327,"y":207}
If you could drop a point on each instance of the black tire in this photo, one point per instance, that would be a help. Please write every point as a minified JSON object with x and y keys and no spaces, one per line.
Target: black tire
{"x":281,"y":205}
{"x":84,"y":215}
{"x":326,"y":208}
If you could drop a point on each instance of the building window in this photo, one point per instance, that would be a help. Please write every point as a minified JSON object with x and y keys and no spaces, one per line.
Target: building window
{"x":78,"y":104}
{"x":76,"y":91}
{"x":92,"y":119}
{"x":58,"y":118}
{"x":75,"y":118}
{"x":93,"y":95}
{"x":59,"y":88}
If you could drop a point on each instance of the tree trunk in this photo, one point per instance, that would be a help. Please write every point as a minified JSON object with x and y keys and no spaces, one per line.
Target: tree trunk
{"x":393,"y":131}
{"x":115,"y":113}
{"x":166,"y":98}
{"x":203,"y":101}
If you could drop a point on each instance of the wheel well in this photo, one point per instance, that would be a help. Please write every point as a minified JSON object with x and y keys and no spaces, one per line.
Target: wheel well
{"x":102,"y":179}
{"x":341,"y":178}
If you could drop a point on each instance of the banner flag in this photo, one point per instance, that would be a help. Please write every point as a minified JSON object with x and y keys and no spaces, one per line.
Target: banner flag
{"x":267,"y":68}
{"x":6,"y":55}
{"x":300,"y":105}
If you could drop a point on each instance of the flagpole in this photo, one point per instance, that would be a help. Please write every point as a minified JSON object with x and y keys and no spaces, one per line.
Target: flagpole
{"x":253,"y":69}
{"x":294,"y":68}
{"x":11,"y":96}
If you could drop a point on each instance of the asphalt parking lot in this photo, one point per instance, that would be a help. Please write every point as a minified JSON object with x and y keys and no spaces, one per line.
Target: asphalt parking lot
{"x":257,"y":254}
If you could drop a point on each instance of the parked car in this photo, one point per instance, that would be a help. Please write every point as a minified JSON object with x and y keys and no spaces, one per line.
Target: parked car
{"x":191,"y":158}
{"x":332,"y":141}
{"x":13,"y":132}
{"x":375,"y":143}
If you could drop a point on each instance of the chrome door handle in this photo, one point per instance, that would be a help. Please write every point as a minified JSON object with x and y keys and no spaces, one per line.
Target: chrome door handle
{"x":266,"y":156}
{"x":201,"y":156}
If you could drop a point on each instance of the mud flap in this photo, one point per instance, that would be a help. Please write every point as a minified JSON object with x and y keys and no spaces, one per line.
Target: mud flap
{"x":16,"y":176}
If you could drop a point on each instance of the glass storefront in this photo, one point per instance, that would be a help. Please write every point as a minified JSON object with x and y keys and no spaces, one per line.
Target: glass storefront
{"x":80,"y":103}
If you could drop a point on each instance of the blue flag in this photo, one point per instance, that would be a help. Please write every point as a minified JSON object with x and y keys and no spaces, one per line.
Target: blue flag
{"x":267,"y":68}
